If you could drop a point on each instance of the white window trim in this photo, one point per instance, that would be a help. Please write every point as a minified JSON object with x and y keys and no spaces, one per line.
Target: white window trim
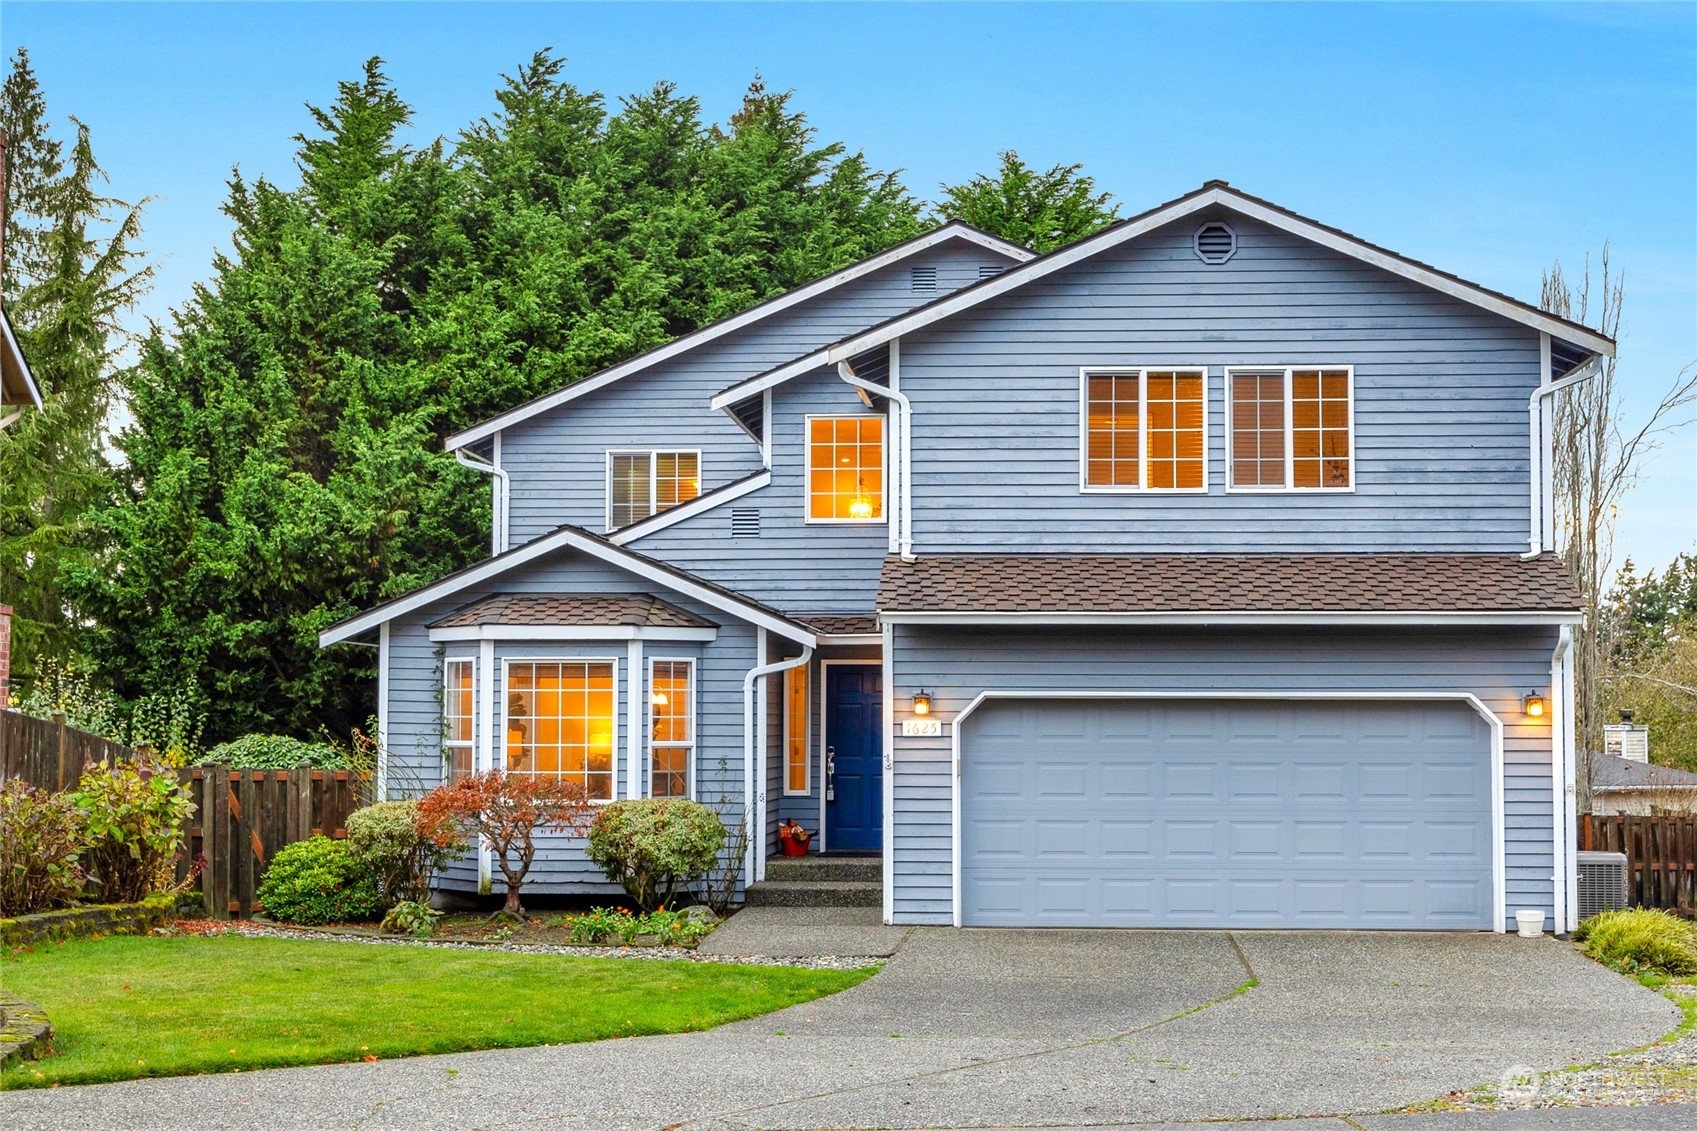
{"x":1290,"y":453}
{"x":471,"y":743}
{"x":806,"y":737}
{"x":498,"y":739}
{"x":653,"y":455}
{"x":694,"y":726}
{"x":1085,"y":372}
{"x":807,"y":472}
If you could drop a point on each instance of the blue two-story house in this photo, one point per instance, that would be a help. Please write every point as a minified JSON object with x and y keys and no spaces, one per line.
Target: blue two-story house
{"x":1195,"y":574}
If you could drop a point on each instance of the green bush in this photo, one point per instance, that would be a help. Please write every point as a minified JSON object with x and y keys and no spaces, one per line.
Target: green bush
{"x":317,"y":881}
{"x":617,"y":925}
{"x":410,"y":917}
{"x":40,"y":838}
{"x":654,"y":846}
{"x":132,"y":816}
{"x":1640,"y":942}
{"x":275,"y":752}
{"x":386,"y":842}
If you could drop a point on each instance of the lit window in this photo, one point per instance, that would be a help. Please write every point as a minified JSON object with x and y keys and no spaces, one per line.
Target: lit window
{"x":796,"y":765}
{"x":559,"y":722}
{"x":1145,"y":429}
{"x":671,"y":726}
{"x":641,"y":484}
{"x":1290,"y":429}
{"x":845,"y":469}
{"x":459,"y":717}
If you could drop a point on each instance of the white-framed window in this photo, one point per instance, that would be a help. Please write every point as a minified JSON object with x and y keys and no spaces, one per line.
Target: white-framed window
{"x":1143,"y":429}
{"x":641,"y":484}
{"x":798,"y":767}
{"x":459,"y":717}
{"x":845,"y":469}
{"x":671,"y":727}
{"x":560,"y":721}
{"x":1290,"y":428}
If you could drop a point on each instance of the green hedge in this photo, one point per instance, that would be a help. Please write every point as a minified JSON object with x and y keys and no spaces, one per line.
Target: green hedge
{"x":275,"y":752}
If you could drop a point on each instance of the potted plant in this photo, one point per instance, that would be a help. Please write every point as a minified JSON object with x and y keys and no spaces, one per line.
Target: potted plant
{"x":793,"y":839}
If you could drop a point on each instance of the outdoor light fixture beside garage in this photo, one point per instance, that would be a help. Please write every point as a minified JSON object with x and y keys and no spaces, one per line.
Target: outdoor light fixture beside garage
{"x":922,"y":703}
{"x":1534,"y":705}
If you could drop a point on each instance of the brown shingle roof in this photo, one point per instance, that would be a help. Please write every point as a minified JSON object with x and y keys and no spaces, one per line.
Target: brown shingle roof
{"x":839,"y":624}
{"x":641,"y":610}
{"x":1153,"y":583}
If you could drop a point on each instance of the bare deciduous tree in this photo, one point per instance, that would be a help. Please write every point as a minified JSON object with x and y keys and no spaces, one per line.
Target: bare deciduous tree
{"x":1597,"y":460}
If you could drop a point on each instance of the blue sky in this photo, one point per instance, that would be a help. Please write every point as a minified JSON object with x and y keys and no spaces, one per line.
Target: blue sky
{"x":1488,"y":140}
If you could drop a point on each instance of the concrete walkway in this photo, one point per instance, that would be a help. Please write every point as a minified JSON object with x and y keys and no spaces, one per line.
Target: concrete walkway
{"x":993,"y":1029}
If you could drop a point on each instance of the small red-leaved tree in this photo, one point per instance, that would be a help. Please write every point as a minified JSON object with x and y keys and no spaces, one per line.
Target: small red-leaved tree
{"x":507,"y":811}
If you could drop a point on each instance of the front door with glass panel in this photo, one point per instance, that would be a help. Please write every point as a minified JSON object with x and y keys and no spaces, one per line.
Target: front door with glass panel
{"x":854,"y":758}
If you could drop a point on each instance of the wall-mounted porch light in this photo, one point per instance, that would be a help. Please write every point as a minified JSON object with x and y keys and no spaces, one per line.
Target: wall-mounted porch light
{"x":922,"y":703}
{"x":1533,"y":704}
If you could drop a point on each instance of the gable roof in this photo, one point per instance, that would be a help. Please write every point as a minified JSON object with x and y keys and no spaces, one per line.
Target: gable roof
{"x":1209,"y":195}
{"x":1610,"y":774}
{"x":575,"y":538}
{"x":942,"y":234}
{"x":1154,"y":587}
{"x":17,"y":383}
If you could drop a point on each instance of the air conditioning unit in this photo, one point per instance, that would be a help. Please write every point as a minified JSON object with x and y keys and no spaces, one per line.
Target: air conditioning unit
{"x":1603,"y":880}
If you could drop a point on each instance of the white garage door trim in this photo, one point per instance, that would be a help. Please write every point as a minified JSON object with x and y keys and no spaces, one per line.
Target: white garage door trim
{"x":1499,"y":861}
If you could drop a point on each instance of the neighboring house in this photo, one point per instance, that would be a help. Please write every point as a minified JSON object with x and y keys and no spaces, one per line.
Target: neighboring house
{"x":1622,"y":787}
{"x":1193,"y":574}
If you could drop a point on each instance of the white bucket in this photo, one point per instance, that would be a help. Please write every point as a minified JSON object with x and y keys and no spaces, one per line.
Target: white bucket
{"x":1531,"y":924}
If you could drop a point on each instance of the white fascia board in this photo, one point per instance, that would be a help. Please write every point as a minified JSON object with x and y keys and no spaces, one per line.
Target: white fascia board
{"x":701,"y":504}
{"x":1436,"y":617}
{"x":736,"y":322}
{"x":627,"y":560}
{"x":19,"y":363}
{"x":771,"y":380}
{"x":559,"y":632}
{"x":828,"y":639}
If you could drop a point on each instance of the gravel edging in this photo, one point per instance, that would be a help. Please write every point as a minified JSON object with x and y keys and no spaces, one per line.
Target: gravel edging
{"x":653,"y":953}
{"x":1661,"y":1073}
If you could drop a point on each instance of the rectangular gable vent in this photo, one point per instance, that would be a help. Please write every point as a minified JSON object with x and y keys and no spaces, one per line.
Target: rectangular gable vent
{"x":989,"y":271}
{"x":745,"y":522}
{"x":924,"y":279}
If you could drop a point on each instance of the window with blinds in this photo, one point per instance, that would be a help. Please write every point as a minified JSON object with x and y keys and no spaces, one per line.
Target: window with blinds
{"x":1291,"y":429}
{"x":1145,"y":429}
{"x":642,"y":484}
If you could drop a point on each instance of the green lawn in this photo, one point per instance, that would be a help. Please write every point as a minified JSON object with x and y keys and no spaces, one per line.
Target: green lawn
{"x":128,"y":1007}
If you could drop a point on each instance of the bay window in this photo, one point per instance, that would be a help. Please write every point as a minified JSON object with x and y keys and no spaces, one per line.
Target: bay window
{"x":560,"y":722}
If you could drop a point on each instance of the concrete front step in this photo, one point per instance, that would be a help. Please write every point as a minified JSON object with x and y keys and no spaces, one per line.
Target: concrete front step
{"x":822,"y":869}
{"x":813,"y":893}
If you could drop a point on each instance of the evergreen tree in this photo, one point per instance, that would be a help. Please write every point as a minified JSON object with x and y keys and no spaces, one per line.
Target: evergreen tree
{"x":71,"y":274}
{"x":1041,"y":211}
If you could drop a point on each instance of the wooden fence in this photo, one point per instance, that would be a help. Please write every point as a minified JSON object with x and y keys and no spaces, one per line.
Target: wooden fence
{"x":241,"y":818}
{"x":1661,"y":857}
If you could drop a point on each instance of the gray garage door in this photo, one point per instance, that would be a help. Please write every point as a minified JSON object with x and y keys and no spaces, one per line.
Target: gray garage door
{"x":1226,"y":813}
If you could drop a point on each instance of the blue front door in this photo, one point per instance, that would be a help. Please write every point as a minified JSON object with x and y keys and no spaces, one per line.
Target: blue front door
{"x":854,"y":757}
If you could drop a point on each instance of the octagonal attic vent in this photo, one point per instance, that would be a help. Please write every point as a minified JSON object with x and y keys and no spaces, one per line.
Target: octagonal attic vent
{"x":1215,"y":243}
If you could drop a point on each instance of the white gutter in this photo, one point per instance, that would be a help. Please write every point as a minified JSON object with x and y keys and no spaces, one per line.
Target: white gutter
{"x":1561,"y":741}
{"x":754,"y":808}
{"x":500,"y":494}
{"x":901,"y":529}
{"x":1535,"y":421}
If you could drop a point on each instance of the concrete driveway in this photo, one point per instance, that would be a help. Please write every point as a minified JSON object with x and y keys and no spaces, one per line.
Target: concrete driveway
{"x":992,"y":1028}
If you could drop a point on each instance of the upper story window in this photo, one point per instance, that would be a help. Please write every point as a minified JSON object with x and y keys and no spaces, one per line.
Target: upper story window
{"x":1290,"y":429}
{"x":560,"y":722}
{"x":459,"y":728}
{"x":1145,"y":429}
{"x":640,"y":484}
{"x":845,"y":469}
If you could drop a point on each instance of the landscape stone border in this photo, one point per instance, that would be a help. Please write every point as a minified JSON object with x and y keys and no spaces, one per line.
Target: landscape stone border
{"x":98,"y":919}
{"x":24,"y":1029}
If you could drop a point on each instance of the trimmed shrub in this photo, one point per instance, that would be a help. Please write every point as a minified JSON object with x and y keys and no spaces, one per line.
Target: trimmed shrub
{"x":40,"y":837}
{"x":132,"y":816}
{"x":654,"y":846}
{"x":317,"y":881}
{"x":1640,"y":942}
{"x":507,"y":810}
{"x":274,"y":752}
{"x":386,"y":841}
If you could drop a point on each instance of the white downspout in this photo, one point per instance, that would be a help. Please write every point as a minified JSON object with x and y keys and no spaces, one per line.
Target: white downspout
{"x":1570,"y":790}
{"x":903,"y":527}
{"x":750,"y":804}
{"x":1535,"y":421}
{"x":500,"y":494}
{"x":1561,"y":741}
